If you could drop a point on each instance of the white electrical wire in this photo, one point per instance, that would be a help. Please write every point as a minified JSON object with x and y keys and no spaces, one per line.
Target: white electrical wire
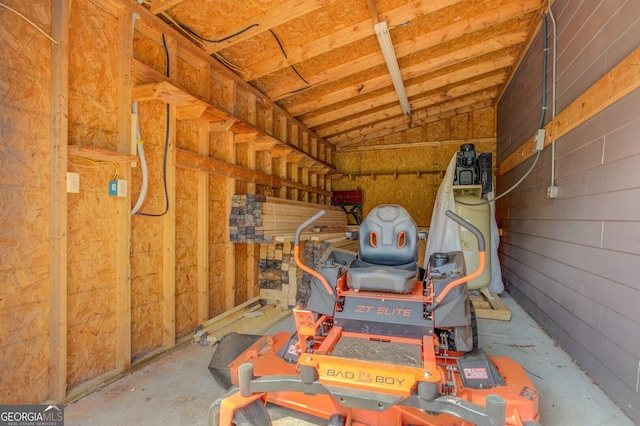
{"x":553,"y":91}
{"x":30,"y":22}
{"x":143,"y":162}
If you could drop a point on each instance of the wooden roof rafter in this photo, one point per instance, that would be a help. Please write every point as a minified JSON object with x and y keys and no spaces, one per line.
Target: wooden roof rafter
{"x":503,"y":28}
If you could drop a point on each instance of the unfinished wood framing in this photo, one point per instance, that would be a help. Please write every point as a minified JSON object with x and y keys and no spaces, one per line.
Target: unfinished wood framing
{"x":58,"y":203}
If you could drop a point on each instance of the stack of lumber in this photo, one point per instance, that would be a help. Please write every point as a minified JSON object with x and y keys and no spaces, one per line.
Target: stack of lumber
{"x":493,"y":308}
{"x":251,"y":317}
{"x":260,"y":219}
{"x":282,"y":283}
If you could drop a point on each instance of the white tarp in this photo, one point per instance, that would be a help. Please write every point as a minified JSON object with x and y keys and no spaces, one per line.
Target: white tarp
{"x":443,"y":232}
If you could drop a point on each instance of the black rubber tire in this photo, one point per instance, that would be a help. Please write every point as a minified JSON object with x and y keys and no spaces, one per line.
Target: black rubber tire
{"x":474,"y":324}
{"x":254,"y":414}
{"x":337,"y":420}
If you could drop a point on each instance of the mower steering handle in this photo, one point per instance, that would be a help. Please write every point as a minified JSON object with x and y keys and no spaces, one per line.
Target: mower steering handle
{"x":475,"y":231}
{"x":481,"y":260}
{"x":296,"y":252}
{"x":308,"y":222}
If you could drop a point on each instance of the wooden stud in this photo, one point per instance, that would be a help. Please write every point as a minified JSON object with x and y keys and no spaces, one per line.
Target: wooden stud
{"x":123,"y":205}
{"x":203,"y":205}
{"x":58,"y":202}
{"x":169,"y":222}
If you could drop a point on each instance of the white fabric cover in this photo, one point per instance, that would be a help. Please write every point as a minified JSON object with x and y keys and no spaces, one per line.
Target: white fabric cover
{"x":443,"y":232}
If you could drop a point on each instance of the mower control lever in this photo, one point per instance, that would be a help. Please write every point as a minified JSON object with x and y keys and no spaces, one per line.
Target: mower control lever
{"x":306,"y":223}
{"x":296,"y":251}
{"x":481,"y":260}
{"x":475,"y":231}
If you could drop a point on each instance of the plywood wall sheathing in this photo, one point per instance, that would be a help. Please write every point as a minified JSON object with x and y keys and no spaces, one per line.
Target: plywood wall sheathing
{"x":407,"y":168}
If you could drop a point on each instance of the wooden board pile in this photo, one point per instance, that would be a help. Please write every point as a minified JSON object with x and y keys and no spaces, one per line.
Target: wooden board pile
{"x":494,"y":308}
{"x":282,"y":283}
{"x":259,"y":219}
{"x":251,"y":317}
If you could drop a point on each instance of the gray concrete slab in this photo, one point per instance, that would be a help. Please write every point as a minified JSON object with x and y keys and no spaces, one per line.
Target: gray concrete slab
{"x":178,"y":389}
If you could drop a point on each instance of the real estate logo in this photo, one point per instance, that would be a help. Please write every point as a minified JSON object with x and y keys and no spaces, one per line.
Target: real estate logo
{"x":31,"y":415}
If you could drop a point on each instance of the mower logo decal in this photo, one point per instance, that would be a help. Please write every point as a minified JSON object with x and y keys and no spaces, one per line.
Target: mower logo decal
{"x":382,"y":310}
{"x":528,"y":393}
{"x":349,"y":375}
{"x":364,"y":377}
{"x":475,"y":373}
{"x":363,"y":309}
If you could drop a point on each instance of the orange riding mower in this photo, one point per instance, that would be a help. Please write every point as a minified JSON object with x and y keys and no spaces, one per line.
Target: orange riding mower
{"x":380,"y":341}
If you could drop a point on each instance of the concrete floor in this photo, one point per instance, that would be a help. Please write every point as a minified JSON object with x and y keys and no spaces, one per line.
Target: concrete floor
{"x":178,"y":389}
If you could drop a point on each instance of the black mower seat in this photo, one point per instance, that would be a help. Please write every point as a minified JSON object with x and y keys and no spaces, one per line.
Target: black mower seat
{"x":387,"y":252}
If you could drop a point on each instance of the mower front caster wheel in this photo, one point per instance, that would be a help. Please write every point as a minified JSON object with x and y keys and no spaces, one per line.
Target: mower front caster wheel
{"x":254,"y":414}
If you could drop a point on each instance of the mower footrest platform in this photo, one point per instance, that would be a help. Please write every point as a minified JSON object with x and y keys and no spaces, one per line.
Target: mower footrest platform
{"x":478,"y":371}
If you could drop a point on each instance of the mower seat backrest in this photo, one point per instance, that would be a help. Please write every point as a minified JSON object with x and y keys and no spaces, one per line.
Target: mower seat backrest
{"x":387,"y":252}
{"x":388,"y":236}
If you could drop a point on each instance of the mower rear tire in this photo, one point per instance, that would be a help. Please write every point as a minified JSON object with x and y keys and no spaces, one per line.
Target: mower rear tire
{"x":254,"y":414}
{"x":474,"y":324}
{"x":337,"y":420}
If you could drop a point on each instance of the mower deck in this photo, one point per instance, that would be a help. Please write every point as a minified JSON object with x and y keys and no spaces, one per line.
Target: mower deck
{"x":369,"y":383}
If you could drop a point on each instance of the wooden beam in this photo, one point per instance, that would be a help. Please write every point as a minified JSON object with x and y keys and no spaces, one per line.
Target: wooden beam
{"x":343,"y":37}
{"x":169,"y":221}
{"x":455,"y":32}
{"x":417,"y":89}
{"x":121,"y":156}
{"x":211,"y":165}
{"x":175,"y":96}
{"x":395,"y":126}
{"x":152,"y":26}
{"x":245,"y":137}
{"x":58,"y":202}
{"x":266,"y":21}
{"x":468,"y":93}
{"x":123,"y":204}
{"x":158,"y":6}
{"x":613,"y":86}
{"x":204,"y":127}
{"x":475,"y":53}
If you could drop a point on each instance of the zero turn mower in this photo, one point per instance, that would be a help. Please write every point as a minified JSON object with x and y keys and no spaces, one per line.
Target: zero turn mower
{"x":380,"y":341}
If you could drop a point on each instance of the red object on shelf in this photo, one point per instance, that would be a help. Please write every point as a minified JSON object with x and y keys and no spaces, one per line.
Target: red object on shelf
{"x":346,"y":197}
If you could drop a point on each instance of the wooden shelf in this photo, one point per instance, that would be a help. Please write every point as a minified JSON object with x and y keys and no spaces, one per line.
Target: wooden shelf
{"x":99,"y":154}
{"x":190,"y":106}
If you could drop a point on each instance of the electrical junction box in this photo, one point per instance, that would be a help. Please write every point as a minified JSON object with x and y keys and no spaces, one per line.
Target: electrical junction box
{"x":73,"y":182}
{"x":118,"y":188}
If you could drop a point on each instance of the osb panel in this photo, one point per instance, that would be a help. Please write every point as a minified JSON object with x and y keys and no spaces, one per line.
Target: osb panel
{"x":92,"y":76}
{"x":460,"y":125}
{"x":484,"y":123}
{"x":415,"y":192}
{"x":217,"y":89}
{"x":241,"y":277}
{"x":24,"y":203}
{"x":146,"y":329}
{"x":245,"y":106}
{"x":187,"y":134}
{"x":187,"y":76}
{"x":186,"y":251}
{"x":221,"y":146}
{"x":438,"y":131}
{"x":90,"y":276}
{"x":147,"y":236}
{"x":150,"y":53}
{"x":417,"y":195}
{"x":187,"y":302}
{"x":217,"y":244}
